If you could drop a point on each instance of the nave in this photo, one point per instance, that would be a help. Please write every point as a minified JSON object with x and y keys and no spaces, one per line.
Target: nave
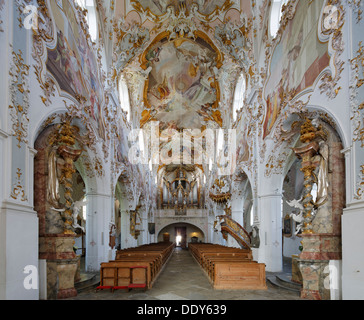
{"x":183,"y":279}
{"x":125,"y":123}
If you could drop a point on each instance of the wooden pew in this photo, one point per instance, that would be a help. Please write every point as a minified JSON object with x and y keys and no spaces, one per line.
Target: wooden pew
{"x":229,"y":268}
{"x":136,"y":267}
{"x":239,"y":275}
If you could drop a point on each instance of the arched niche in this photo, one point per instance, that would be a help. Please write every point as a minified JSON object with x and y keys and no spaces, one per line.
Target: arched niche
{"x":242,"y":201}
{"x":192,"y":232}
{"x":292,"y":190}
{"x":323,"y":164}
{"x":51,"y":201}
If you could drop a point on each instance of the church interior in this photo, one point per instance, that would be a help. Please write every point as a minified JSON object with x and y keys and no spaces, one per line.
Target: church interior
{"x":182,"y":149}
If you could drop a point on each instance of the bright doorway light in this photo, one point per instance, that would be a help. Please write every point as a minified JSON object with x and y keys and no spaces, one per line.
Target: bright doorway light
{"x":178,"y":240}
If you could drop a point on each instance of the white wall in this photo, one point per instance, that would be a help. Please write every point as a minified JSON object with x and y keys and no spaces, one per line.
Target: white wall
{"x":353,"y":257}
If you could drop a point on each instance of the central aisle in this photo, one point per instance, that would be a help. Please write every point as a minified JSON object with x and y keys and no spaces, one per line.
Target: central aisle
{"x":183,"y":279}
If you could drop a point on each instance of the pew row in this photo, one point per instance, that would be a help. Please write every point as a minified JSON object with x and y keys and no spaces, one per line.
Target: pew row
{"x":135,"y":267}
{"x":229,"y":268}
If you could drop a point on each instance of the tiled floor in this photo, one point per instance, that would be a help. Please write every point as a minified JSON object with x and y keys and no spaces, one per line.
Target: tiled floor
{"x":183,"y":279}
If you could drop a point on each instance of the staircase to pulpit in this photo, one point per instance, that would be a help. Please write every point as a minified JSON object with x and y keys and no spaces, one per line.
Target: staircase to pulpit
{"x":234,"y":229}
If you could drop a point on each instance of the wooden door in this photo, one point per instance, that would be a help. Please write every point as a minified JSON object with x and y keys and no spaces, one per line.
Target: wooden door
{"x":166,"y":237}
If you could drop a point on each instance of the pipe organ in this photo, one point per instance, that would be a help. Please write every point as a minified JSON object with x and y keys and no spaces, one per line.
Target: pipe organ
{"x":181,"y":193}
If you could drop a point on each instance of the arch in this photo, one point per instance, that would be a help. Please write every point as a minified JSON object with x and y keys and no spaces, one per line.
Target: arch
{"x":335,"y":121}
{"x":49,"y":121}
{"x":242,"y":200}
{"x":193,"y":230}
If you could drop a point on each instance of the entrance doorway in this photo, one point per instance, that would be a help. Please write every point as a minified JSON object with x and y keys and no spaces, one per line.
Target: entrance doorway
{"x":181,"y":235}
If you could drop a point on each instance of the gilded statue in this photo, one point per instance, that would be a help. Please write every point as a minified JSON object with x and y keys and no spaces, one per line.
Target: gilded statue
{"x":321,"y":174}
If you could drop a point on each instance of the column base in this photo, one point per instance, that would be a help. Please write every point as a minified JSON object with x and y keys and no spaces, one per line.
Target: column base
{"x":62,"y":265}
{"x":310,"y":294}
{"x":66,"y":293}
{"x":314,"y":282}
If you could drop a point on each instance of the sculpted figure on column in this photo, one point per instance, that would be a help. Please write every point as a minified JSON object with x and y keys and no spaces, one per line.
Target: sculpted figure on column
{"x":322,"y":172}
{"x":322,"y":175}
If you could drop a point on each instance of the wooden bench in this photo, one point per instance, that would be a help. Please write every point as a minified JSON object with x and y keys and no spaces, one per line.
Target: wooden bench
{"x":135,"y":267}
{"x":229,"y":268}
{"x":239,"y":275}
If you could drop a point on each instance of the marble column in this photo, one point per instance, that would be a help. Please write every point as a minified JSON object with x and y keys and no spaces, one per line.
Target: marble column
{"x":322,"y":240}
{"x":57,"y":250}
{"x":55,"y":247}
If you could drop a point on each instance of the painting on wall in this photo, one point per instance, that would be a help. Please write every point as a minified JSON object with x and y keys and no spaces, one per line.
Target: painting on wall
{"x":287,"y":226}
{"x":298,"y":48}
{"x":74,"y":66}
{"x":242,"y":143}
{"x":182,"y":90}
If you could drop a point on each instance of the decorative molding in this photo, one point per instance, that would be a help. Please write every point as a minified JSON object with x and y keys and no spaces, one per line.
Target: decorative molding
{"x":18,"y":188}
{"x":19,"y":96}
{"x":359,"y":193}
{"x":275,"y":164}
{"x":43,"y":36}
{"x":356,"y":6}
{"x":357,"y":81}
{"x":329,"y":81}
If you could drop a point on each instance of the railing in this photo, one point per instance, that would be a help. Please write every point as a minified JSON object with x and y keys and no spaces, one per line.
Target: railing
{"x":236,"y":231}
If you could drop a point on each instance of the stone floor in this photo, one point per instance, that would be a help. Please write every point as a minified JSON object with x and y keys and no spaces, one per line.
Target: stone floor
{"x":183,"y":279}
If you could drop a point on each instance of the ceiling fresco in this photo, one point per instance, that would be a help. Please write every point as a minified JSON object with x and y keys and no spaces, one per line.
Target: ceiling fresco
{"x":181,"y":90}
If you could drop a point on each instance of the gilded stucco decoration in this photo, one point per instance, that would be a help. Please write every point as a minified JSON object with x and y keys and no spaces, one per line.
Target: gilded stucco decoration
{"x":43,"y":35}
{"x":330,"y":81}
{"x":359,"y":193}
{"x":282,"y":96}
{"x":235,"y":39}
{"x":357,"y":111}
{"x":18,"y":192}
{"x":184,"y":24}
{"x":357,"y":7}
{"x":60,"y":56}
{"x":357,"y":79}
{"x":19,"y":93}
{"x":64,"y":141}
{"x":129,"y":42}
{"x":275,"y":164}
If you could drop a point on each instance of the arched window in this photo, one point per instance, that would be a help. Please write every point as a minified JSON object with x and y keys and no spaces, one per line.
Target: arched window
{"x":124,"y":96}
{"x":239,"y":96}
{"x":91,"y":16}
{"x":275,"y":16}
